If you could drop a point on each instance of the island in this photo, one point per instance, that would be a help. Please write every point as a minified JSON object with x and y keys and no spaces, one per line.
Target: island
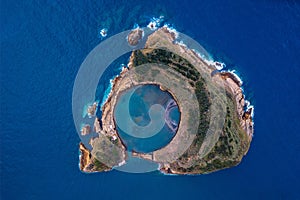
{"x":215,"y":127}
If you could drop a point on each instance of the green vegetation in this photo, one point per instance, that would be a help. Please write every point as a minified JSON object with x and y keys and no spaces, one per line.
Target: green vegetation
{"x":182,"y":66}
{"x":99,"y":166}
{"x":232,"y":143}
{"x":204,"y":104}
{"x":174,"y":61}
{"x":105,"y":151}
{"x":227,"y":152}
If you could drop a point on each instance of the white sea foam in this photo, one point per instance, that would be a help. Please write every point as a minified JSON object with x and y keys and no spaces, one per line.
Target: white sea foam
{"x":171,"y":29}
{"x":247,"y":103}
{"x":200,"y":55}
{"x":109,"y":88}
{"x":233,"y":72}
{"x":252,"y":113}
{"x":181,"y":43}
{"x":103,"y":32}
{"x":209,"y":61}
{"x":218,"y":65}
{"x":155,"y":22}
{"x":107,"y":92}
{"x":122,"y":163}
{"x":249,"y":106}
{"x":221,"y":66}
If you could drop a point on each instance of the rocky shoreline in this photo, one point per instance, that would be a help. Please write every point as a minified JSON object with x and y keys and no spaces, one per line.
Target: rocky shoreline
{"x":245,"y":116}
{"x":85,"y":159}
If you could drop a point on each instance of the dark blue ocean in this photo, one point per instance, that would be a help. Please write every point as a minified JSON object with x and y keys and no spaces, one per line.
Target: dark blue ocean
{"x":43,"y":44}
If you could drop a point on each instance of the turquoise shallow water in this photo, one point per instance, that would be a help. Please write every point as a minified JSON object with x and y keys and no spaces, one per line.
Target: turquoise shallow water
{"x":140,"y":102}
